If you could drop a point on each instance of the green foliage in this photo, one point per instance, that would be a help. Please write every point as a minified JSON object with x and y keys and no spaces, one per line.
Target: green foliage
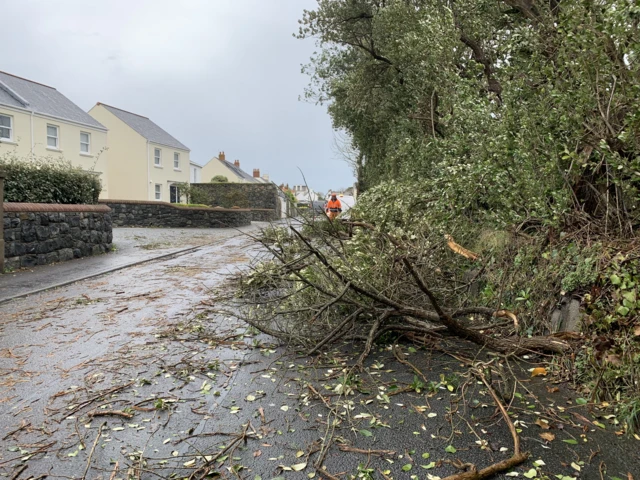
{"x":498,"y":112}
{"x":219,"y":179}
{"x":48,"y":180}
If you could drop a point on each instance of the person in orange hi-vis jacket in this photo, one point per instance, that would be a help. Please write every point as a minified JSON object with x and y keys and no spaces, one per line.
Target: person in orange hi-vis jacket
{"x":334,"y":207}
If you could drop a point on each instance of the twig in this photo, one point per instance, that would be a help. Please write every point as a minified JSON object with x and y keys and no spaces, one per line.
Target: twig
{"x":516,"y":459}
{"x":115,"y":471}
{"x":22,"y":426}
{"x":21,"y":469}
{"x":335,"y":331}
{"x":347,"y":448}
{"x":326,"y":474}
{"x":106,"y":413}
{"x":317,"y":394}
{"x":93,"y":448}
{"x":97,"y":397}
{"x":397,"y":352}
{"x":371,"y":338}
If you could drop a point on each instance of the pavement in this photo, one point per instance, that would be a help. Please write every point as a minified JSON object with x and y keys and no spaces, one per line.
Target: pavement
{"x":139,"y":373}
{"x":131,"y":246}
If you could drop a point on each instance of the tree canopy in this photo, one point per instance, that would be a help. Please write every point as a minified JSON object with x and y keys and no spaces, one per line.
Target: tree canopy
{"x":499,"y":110}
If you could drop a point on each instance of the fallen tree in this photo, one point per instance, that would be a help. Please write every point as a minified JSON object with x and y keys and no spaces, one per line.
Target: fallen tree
{"x":326,"y":282}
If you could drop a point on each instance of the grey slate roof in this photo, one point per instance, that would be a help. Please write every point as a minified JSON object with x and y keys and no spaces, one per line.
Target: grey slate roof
{"x":240,"y":173}
{"x":23,"y":93}
{"x":146,"y":128}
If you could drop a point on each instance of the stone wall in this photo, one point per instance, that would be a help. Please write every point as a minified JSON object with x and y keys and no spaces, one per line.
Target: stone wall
{"x":256,"y":196}
{"x":263,"y":215}
{"x":40,"y":233}
{"x":134,"y":213}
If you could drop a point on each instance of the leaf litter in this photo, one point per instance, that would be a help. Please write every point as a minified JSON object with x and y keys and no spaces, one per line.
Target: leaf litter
{"x":180,"y":365}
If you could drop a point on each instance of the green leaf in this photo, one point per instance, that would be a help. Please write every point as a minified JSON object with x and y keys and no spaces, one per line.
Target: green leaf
{"x":407,"y":467}
{"x":615,"y":279}
{"x":366,"y":433}
{"x":531,"y":473}
{"x":450,"y":449}
{"x":622,"y":310}
{"x":430,"y":466}
{"x":570,"y":441}
{"x":581,"y":401}
{"x":426,"y":455}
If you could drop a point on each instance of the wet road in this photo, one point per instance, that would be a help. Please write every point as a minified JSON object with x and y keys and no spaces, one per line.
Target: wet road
{"x":132,"y":375}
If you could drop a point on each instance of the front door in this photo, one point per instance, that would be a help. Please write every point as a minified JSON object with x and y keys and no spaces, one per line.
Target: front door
{"x":174,"y":194}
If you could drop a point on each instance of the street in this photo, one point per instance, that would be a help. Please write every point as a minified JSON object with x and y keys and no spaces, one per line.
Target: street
{"x":132,"y":374}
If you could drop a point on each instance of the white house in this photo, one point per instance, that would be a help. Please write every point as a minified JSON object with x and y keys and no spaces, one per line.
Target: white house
{"x":195,"y":173}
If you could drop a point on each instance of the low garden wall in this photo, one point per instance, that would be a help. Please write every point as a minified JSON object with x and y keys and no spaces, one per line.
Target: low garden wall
{"x":260,"y":197}
{"x":263,"y":215}
{"x":40,"y":233}
{"x":135,"y":213}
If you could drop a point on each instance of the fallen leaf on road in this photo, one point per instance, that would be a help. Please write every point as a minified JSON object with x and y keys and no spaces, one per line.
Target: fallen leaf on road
{"x":539,"y":372}
{"x":548,"y":436}
{"x":542,"y":424}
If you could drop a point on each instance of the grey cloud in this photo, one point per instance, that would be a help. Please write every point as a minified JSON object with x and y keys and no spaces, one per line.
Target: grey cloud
{"x":218,"y":75}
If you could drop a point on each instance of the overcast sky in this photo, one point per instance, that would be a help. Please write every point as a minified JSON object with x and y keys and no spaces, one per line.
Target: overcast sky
{"x":216,"y":74}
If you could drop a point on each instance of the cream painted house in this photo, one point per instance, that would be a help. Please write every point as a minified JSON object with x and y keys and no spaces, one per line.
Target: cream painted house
{"x":145,"y":162}
{"x":38,"y":121}
{"x":220,"y":166}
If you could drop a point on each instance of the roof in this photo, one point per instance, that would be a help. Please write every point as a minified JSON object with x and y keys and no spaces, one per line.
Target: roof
{"x":146,"y":128}
{"x":26,"y":94}
{"x":236,"y":170}
{"x":240,"y":173}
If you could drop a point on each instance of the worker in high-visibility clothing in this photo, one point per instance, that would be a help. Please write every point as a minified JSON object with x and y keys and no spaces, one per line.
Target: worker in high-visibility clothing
{"x":333,"y":207}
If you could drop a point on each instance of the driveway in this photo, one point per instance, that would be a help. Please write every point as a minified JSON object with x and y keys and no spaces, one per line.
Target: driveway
{"x":133,"y":374}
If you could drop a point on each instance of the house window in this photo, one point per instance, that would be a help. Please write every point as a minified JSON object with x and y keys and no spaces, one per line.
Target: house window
{"x":52,"y":136}
{"x":158,"y":191}
{"x":85,"y":142}
{"x":176,"y":161}
{"x":157,"y":159}
{"x":6,"y":127}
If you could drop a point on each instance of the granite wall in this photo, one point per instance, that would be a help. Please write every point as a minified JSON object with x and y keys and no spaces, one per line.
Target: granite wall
{"x":134,"y":213}
{"x":39,"y":233}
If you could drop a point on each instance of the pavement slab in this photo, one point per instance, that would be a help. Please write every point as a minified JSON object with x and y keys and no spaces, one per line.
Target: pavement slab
{"x":137,"y":374}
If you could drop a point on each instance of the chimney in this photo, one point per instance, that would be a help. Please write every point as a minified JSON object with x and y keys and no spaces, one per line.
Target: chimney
{"x":221,"y":157}
{"x":237,"y":163}
{"x":256,"y":173}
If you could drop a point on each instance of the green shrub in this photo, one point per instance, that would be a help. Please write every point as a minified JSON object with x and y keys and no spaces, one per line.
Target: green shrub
{"x":219,"y":179}
{"x":47,"y":180}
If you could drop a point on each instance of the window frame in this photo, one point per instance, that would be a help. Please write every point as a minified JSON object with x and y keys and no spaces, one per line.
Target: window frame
{"x":10,"y":128}
{"x":57,"y":136}
{"x":176,"y":156}
{"x":157,"y":159}
{"x":87,"y":143}
{"x":157,"y":191}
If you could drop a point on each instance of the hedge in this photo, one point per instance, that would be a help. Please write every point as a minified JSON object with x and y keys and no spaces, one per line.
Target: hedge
{"x":47,"y":180}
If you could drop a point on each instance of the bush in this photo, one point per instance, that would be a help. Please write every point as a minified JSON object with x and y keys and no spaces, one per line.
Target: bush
{"x":219,"y":179}
{"x":47,"y":180}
